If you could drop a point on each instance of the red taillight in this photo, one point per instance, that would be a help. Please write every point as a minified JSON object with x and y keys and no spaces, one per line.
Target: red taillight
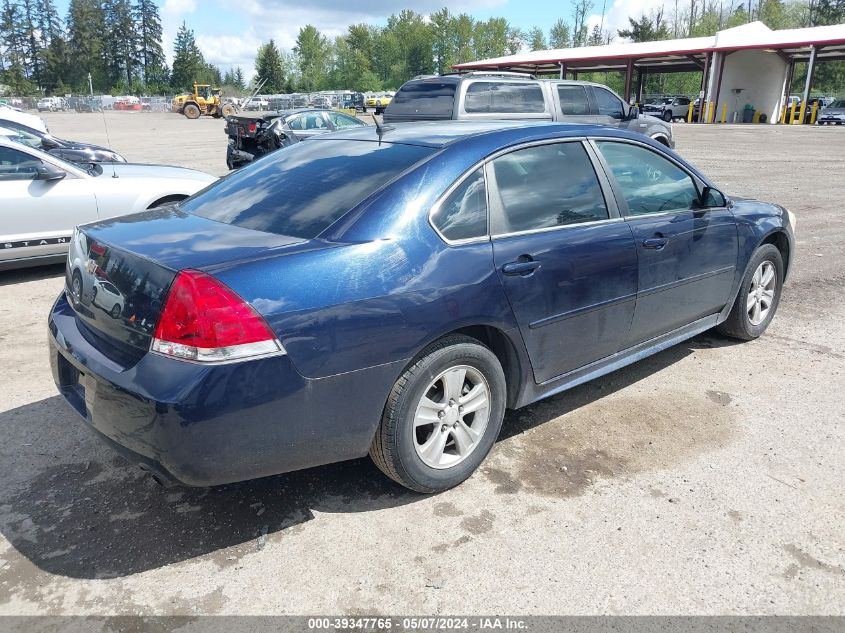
{"x":204,"y":320}
{"x":252,"y":127}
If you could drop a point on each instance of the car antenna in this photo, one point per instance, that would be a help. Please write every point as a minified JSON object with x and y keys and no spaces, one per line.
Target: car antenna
{"x":108,"y":138}
{"x":381,"y":129}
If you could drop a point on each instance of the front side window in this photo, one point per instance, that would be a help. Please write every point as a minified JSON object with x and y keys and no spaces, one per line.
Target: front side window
{"x":573,"y":100}
{"x":608,"y":103}
{"x":504,"y":97}
{"x":649,"y":182}
{"x":17,"y":165}
{"x":546,"y":186}
{"x":463,"y":215}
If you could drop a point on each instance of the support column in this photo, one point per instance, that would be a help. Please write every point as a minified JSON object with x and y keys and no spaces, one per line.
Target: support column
{"x":810,"y":68}
{"x":640,"y":81}
{"x":722,"y":58}
{"x":702,"y":95}
{"x":562,"y":71}
{"x":629,"y":72}
{"x":787,"y":89}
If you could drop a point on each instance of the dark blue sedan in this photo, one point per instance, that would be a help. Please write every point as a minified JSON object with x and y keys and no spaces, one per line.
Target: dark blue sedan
{"x":393,"y":291}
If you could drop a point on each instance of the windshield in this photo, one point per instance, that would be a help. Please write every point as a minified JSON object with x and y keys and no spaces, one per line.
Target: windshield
{"x":839,"y":103}
{"x":303,"y":189}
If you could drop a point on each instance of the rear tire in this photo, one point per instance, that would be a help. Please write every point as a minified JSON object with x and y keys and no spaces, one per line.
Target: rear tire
{"x":442,"y":416}
{"x":191,"y":111}
{"x":758,"y":296}
{"x":667,"y":116}
{"x":229,"y":110}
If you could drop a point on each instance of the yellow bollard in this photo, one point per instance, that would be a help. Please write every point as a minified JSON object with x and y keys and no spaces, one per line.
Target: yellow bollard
{"x":712,"y":117}
{"x":724,"y":112}
{"x":689,"y":113}
{"x":814,"y":112}
{"x":783,"y":114}
{"x":803,"y":112}
{"x":792,"y":113}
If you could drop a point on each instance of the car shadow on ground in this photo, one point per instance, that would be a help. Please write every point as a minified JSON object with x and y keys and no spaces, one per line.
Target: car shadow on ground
{"x":36,"y":273}
{"x":76,"y":509}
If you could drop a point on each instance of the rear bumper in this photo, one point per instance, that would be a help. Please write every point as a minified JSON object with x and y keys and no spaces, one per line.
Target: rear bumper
{"x":208,"y":425}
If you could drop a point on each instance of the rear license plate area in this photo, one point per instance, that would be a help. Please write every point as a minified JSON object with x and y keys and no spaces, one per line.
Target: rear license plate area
{"x":72,"y":383}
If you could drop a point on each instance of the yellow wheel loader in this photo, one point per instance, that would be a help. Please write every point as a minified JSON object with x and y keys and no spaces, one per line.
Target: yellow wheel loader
{"x":204,"y":100}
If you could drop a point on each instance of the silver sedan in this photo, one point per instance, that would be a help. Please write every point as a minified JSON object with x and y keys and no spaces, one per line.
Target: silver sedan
{"x":42,"y":198}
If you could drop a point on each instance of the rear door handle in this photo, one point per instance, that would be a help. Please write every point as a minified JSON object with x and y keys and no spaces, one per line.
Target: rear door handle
{"x":521,"y":267}
{"x":657,"y":243}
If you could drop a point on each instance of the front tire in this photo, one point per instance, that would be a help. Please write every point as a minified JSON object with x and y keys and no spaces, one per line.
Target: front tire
{"x":758,"y":296}
{"x":667,"y":116}
{"x":442,"y":416}
{"x":191,"y":111}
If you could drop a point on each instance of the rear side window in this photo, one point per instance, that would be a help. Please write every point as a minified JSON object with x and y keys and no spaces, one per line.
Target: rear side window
{"x":573,"y":100}
{"x":546,"y":186}
{"x":302,"y":189}
{"x":463,"y":215}
{"x":425,"y":98}
{"x":503,"y":97}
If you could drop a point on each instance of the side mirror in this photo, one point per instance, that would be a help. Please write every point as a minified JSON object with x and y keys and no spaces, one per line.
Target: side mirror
{"x":48,"y":143}
{"x":46,"y":171}
{"x":712,"y":198}
{"x":633,"y":113}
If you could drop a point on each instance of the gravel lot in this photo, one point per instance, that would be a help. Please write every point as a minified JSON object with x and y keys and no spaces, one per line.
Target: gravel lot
{"x":707,"y":479}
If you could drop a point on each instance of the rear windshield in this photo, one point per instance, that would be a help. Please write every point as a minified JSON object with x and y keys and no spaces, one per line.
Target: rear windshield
{"x":302,"y":189}
{"x":426,"y":98}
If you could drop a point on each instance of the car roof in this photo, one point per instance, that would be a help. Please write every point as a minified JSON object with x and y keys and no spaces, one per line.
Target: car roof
{"x":441,"y":133}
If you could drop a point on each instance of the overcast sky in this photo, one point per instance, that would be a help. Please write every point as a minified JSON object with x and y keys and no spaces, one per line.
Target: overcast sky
{"x":229,"y":32}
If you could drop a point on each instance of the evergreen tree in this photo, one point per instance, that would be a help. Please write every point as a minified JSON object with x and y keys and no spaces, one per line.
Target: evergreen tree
{"x":188,"y":63}
{"x":31,"y":41}
{"x":268,"y":65}
{"x":148,"y":26}
{"x":86,"y":25}
{"x":11,"y":37}
{"x":120,"y":42}
{"x":239,"y":81}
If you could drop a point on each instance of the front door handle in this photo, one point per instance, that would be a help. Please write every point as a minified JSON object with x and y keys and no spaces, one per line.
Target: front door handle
{"x":657,"y":243}
{"x":521,"y":267}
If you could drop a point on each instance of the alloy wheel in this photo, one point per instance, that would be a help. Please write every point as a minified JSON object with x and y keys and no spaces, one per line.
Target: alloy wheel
{"x":451,"y":417}
{"x":761,"y":295}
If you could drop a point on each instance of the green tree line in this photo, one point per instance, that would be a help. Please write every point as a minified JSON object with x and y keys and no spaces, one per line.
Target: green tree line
{"x":119,"y":44}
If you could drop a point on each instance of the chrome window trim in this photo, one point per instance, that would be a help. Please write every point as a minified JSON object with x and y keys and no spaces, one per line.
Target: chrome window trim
{"x":560,"y":227}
